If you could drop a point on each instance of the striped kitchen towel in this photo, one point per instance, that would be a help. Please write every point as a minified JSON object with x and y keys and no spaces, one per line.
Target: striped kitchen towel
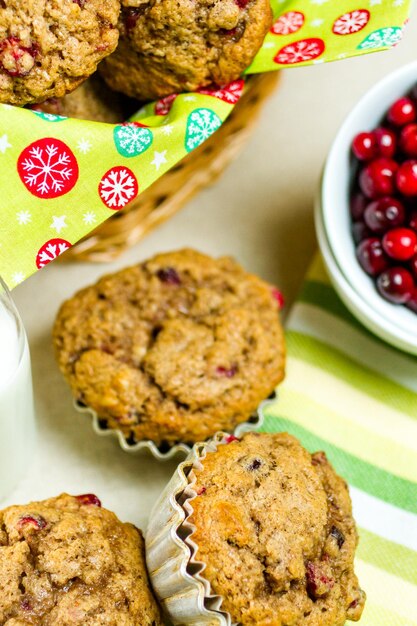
{"x":355,"y":397}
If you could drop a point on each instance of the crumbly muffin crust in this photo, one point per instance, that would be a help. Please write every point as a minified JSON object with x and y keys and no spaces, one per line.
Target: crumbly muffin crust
{"x":171,"y":46}
{"x":173,"y":349}
{"x":66,"y":561}
{"x":274,"y":528}
{"x":48,"y":48}
{"x":92,"y":100}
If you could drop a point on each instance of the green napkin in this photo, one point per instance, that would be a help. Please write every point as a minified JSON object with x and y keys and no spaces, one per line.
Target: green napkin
{"x":61,"y":178}
{"x":354,"y":397}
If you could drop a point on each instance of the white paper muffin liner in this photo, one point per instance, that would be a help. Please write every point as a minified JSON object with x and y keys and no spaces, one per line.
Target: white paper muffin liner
{"x":160,"y":453}
{"x":172,"y":556}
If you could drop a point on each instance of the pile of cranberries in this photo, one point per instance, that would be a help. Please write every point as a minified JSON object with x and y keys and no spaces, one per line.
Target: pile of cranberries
{"x":383,"y":203}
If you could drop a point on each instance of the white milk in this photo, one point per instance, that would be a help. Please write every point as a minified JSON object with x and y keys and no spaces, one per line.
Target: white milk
{"x":16,"y":400}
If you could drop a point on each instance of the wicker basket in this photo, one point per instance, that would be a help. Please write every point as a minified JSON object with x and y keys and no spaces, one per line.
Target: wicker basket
{"x":170,"y":192}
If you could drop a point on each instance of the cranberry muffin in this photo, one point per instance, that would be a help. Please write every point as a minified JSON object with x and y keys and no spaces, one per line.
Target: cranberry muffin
{"x":170,"y":46}
{"x":274,"y":528}
{"x":92,"y":100}
{"x":172,"y":349}
{"x":48,"y":48}
{"x":66,"y":561}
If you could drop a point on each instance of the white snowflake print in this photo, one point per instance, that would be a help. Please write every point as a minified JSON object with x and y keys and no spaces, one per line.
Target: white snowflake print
{"x":167,"y":129}
{"x":84,"y":146}
{"x":189,"y":98}
{"x":118,"y":187}
{"x":316,"y":23}
{"x":132,"y":139}
{"x":382,"y":38}
{"x":48,"y":168}
{"x":4,"y":144}
{"x":375,"y":2}
{"x":23,"y":217}
{"x":17,"y":278}
{"x":289,"y":23}
{"x":300,"y":51}
{"x":202,"y":123}
{"x":89,"y":218}
{"x":352,"y":22}
{"x":50,"y":251}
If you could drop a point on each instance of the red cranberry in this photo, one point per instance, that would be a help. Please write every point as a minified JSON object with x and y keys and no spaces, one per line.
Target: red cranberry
{"x":407,"y":178}
{"x":396,"y":285}
{"x":358,"y":204}
{"x":35,"y":521}
{"x":131,"y":16}
{"x":277,"y":295}
{"x":227,"y":372}
{"x":378,"y":177}
{"x":412,"y":303}
{"x":400,"y":243}
{"x":201,"y":490}
{"x":364,"y":146}
{"x":89,"y":499}
{"x":372,"y":257}
{"x":241,"y":3}
{"x":231,"y":438}
{"x":402,"y":112}
{"x":16,"y":59}
{"x":408,"y":140}
{"x":386,"y":141}
{"x":360,"y":232}
{"x":384,"y":213}
{"x":319,"y":583}
{"x":81,"y":3}
{"x":169,"y":275}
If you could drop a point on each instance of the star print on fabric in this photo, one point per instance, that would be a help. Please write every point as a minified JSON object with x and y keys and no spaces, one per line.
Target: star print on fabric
{"x":58,"y":223}
{"x":159,"y":159}
{"x":4,"y":144}
{"x":24,"y":217}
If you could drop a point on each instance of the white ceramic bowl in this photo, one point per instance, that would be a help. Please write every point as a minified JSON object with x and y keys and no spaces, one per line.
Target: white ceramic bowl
{"x":395,"y":324}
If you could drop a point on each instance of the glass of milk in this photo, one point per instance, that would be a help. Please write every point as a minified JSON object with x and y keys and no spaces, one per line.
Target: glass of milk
{"x":17,"y":419}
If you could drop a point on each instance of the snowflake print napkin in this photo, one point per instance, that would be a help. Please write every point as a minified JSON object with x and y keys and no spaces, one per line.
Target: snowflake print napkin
{"x":60,"y":178}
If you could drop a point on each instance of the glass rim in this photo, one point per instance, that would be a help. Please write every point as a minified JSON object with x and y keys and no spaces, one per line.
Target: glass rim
{"x":7,"y":301}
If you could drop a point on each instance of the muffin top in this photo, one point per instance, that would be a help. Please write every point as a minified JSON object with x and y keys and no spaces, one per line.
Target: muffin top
{"x":170,"y":46}
{"x":173,"y":349}
{"x":48,"y":48}
{"x":66,"y":561}
{"x":274,"y":527}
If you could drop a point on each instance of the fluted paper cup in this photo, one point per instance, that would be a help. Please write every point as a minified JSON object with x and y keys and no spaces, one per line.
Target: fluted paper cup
{"x":161,"y":453}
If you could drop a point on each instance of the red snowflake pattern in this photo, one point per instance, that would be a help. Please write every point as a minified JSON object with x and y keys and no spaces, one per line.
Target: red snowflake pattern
{"x":288,"y":23}
{"x":352,"y":22}
{"x":48,"y":168}
{"x":118,"y":187}
{"x":50,"y":251}
{"x":230,"y":93}
{"x":300,"y":51}
{"x":163,"y":106}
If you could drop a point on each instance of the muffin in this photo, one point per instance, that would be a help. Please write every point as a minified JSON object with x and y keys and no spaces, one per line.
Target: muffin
{"x":171,"y":46}
{"x":47,"y":49}
{"x":271,"y":528}
{"x":92,"y":100}
{"x":172,"y":349}
{"x":66,"y":561}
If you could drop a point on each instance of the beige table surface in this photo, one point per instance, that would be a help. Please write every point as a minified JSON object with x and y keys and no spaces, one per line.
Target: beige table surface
{"x":261,"y":211}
